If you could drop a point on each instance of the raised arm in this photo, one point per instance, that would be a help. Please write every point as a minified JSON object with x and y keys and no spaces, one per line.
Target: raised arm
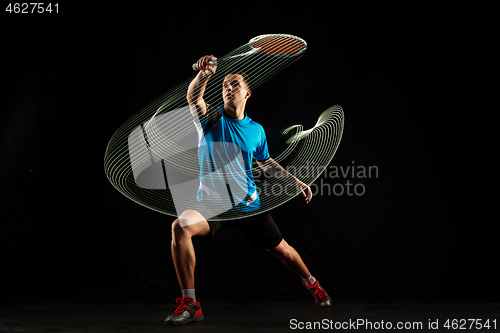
{"x":197,"y":87}
{"x":273,"y":168}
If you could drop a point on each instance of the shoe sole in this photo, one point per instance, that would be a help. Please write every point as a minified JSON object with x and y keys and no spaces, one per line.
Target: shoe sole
{"x":196,"y":319}
{"x":324,"y":306}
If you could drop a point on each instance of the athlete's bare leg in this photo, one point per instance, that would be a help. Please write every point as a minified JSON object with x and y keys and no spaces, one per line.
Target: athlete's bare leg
{"x":189,"y":224}
{"x":290,"y":258}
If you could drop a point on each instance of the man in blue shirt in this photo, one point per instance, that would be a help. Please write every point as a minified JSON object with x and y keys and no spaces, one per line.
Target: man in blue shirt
{"x":228,"y":142}
{"x":226,"y":149}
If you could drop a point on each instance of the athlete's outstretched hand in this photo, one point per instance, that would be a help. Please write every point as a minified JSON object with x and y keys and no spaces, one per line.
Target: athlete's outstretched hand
{"x":307,"y":193}
{"x":204,"y":66}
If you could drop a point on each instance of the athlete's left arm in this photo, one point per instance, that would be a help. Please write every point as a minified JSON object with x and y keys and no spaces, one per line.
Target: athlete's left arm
{"x":273,"y":168}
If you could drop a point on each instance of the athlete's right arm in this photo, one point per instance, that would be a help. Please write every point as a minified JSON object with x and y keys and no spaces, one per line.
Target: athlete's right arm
{"x":197,"y":87}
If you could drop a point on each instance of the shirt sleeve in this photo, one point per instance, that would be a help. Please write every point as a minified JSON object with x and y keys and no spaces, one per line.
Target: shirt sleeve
{"x":210,"y":118}
{"x":261,"y":152}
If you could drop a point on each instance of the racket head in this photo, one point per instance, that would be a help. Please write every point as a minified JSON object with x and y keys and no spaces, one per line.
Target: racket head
{"x":279,"y":45}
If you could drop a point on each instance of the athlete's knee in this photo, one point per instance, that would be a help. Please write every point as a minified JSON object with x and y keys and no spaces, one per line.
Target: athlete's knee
{"x":283,"y":251}
{"x":178,"y":231}
{"x":188,"y":224}
{"x":190,"y":217}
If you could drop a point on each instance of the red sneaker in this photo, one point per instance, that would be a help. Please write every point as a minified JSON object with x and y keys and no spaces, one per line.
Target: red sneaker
{"x":321,"y":298}
{"x":186,"y":312}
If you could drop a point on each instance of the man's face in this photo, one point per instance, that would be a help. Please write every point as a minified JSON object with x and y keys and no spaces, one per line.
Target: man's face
{"x":234,"y":89}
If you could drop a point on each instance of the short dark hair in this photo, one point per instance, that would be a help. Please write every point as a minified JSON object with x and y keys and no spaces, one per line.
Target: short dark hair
{"x":246,"y":78}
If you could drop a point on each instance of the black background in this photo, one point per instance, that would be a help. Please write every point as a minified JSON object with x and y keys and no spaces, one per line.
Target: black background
{"x":419,"y":87}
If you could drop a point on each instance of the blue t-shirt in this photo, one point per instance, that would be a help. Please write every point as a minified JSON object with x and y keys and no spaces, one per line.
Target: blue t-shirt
{"x":226,"y":149}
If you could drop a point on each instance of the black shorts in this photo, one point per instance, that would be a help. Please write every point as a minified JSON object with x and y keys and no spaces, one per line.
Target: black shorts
{"x":260,"y":230}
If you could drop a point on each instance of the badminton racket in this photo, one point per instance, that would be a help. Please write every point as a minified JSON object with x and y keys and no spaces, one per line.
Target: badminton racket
{"x":277,"y":45}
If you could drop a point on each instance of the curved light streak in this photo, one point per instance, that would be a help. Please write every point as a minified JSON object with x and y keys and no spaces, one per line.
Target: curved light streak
{"x":161,"y":140}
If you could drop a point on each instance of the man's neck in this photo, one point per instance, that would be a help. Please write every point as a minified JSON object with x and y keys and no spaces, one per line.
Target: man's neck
{"x":235,"y":112}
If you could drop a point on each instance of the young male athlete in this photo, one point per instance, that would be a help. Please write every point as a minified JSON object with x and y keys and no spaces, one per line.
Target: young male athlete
{"x":229,"y":131}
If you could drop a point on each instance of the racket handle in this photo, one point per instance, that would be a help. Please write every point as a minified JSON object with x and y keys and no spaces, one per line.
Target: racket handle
{"x":211,"y":63}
